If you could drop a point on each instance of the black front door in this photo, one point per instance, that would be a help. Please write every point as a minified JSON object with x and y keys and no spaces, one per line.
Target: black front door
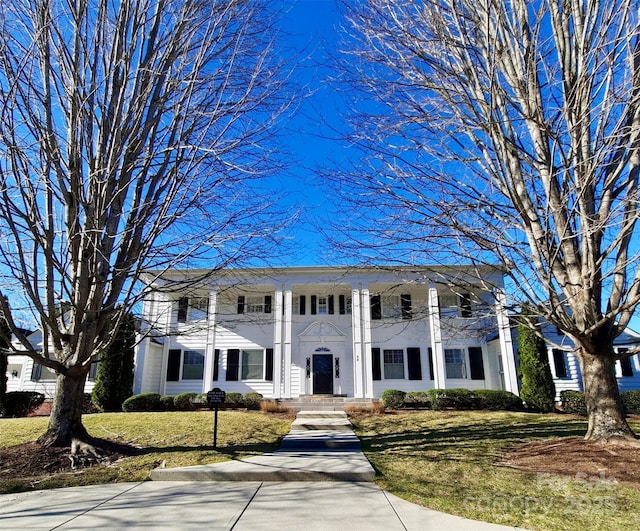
{"x":322,"y":374}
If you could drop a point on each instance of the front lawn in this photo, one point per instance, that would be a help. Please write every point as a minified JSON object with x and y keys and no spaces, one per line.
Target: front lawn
{"x":448,"y":461}
{"x":169,"y":439}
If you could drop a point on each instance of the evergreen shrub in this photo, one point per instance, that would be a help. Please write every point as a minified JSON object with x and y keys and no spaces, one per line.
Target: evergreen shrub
{"x":143,"y":402}
{"x":631,"y":402}
{"x":21,"y":403}
{"x":417,"y":400}
{"x":456,"y":398}
{"x":573,"y":402}
{"x":496,"y":400}
{"x":184,"y":401}
{"x":252,"y":400}
{"x":167,"y":402}
{"x":392,"y":398}
{"x":233,"y":400}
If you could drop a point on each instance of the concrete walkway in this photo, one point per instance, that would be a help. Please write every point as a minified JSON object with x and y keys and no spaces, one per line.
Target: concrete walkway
{"x":318,"y":480}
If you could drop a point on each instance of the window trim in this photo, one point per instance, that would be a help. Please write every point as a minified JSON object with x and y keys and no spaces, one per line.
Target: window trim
{"x":394,"y":364}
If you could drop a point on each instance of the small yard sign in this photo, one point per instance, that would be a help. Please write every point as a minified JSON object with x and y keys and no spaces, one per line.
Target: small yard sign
{"x":216,"y":397}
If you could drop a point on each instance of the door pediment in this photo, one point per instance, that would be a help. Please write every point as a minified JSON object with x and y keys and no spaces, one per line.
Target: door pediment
{"x":321,"y":331}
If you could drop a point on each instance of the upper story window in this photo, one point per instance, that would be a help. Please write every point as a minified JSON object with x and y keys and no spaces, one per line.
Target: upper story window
{"x":192,"y":309}
{"x":391,"y":306}
{"x":321,"y":304}
{"x":254,"y":304}
{"x":454,"y":305}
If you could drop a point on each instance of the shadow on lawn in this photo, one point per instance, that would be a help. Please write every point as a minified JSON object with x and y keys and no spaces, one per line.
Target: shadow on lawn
{"x":418,"y":438}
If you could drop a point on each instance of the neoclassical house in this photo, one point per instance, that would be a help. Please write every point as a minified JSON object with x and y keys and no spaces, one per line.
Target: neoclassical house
{"x":302,"y":331}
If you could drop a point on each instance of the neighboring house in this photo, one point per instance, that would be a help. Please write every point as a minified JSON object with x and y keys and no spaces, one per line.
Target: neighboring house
{"x":23,"y":374}
{"x":350,"y":332}
{"x":565,"y":367}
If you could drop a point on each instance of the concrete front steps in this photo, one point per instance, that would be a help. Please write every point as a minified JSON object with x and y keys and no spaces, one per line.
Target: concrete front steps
{"x":321,"y":446}
{"x":325,"y":403}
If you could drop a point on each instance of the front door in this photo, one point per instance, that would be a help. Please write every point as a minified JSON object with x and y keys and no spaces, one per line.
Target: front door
{"x":322,"y":374}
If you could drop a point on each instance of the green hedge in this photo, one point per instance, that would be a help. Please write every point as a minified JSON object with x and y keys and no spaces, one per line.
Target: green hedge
{"x":21,"y":403}
{"x":417,"y":400}
{"x":573,"y":402}
{"x":495,"y":400}
{"x":392,"y":398}
{"x":252,"y":400}
{"x":143,"y":402}
{"x":184,"y":401}
{"x":631,"y":402}
{"x":167,"y":402}
{"x":453,"y":399}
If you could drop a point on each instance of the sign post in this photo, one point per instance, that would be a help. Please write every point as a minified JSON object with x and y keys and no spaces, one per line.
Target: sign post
{"x":215,"y":397}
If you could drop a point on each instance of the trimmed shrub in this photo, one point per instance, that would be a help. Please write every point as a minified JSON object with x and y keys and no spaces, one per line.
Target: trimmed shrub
{"x":167,"y":403}
{"x":184,"y":401}
{"x":392,"y":398}
{"x":252,"y":400}
{"x":453,"y":399}
{"x":143,"y":402}
{"x":417,"y":400}
{"x":495,"y":400}
{"x":573,"y":402}
{"x":233,"y":400}
{"x":631,"y":401}
{"x":21,"y":403}
{"x":538,"y":390}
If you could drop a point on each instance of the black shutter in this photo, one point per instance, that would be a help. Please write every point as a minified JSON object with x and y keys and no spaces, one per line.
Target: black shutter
{"x":233,"y":364}
{"x":303,"y":305}
{"x":314,"y":304}
{"x":173,"y":365}
{"x":376,"y":308}
{"x":342,"y":304}
{"x":559,"y":364}
{"x":414,"y":363}
{"x":465,"y":305}
{"x":477,"y":363}
{"x":240,"y":303}
{"x":431,"y":364}
{"x":375,"y":358}
{"x":405,"y":302}
{"x":183,"y":308}
{"x":330,"y":304}
{"x":267,"y":304}
{"x":216,"y":363}
{"x":268,"y":365}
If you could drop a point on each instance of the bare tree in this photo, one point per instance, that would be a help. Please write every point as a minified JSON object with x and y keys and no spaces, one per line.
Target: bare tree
{"x":133,"y":136}
{"x":507,"y":132}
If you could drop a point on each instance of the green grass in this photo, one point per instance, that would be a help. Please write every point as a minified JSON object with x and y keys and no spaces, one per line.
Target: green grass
{"x":446,"y":461}
{"x":175,"y":438}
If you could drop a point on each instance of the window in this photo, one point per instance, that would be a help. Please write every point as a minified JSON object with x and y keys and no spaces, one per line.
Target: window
{"x":559,"y":363}
{"x":187,"y":365}
{"x":344,"y":305}
{"x":254,"y":304}
{"x":391,"y":306}
{"x":455,"y":363}
{"x":393,"y":364}
{"x":192,"y":309}
{"x":454,"y":305}
{"x":252,"y":365}
{"x":322,"y":304}
{"x":40,"y":372}
{"x":193,"y":365}
{"x":323,"y":307}
{"x":625,"y":364}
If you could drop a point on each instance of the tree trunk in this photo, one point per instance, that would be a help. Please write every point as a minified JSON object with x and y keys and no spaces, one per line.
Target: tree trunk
{"x":65,"y":422}
{"x":604,"y":407}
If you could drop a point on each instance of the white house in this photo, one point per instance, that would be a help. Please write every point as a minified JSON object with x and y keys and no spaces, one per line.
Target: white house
{"x":350,"y":332}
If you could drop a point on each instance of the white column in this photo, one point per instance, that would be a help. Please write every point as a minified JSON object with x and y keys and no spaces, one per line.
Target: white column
{"x":210,"y":349}
{"x":367,"y":365}
{"x":286,"y":342}
{"x":506,"y":345}
{"x":356,"y":326}
{"x":439,"y":366}
{"x":168,"y":335}
{"x":277,"y":344}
